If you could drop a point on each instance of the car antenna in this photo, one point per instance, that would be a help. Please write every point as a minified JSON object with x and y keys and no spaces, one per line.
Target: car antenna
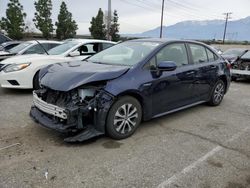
{"x":42,"y":47}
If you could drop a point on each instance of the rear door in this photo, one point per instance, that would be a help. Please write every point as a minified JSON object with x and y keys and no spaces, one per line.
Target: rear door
{"x":206,"y":66}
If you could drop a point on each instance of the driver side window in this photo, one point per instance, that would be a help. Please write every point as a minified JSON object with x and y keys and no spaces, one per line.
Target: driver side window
{"x":175,"y":52}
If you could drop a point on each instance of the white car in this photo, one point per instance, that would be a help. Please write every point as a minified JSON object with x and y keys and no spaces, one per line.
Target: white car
{"x":29,"y":47}
{"x":22,"y":72}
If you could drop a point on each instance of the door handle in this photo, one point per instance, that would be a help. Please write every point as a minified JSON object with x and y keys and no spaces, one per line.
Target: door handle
{"x":213,"y":66}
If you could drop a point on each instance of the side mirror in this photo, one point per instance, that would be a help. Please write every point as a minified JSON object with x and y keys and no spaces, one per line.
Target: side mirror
{"x":74,"y":54}
{"x":167,"y":66}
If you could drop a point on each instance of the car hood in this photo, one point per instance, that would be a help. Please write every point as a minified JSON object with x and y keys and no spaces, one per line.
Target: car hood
{"x":70,"y":75}
{"x":30,"y":58}
{"x":4,"y":55}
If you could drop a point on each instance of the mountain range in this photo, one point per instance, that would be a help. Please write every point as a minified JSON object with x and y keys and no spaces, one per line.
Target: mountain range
{"x":237,"y":30}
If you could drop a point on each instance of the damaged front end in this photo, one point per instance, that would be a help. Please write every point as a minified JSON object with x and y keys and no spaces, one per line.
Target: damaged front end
{"x":241,"y":68}
{"x":81,"y":112}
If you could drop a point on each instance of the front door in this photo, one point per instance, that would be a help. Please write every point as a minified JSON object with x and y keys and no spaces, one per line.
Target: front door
{"x":171,"y":89}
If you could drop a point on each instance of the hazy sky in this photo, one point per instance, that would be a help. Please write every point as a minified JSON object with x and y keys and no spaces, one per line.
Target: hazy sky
{"x":141,"y":15}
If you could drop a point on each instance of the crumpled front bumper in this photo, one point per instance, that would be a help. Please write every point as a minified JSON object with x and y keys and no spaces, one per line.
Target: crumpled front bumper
{"x":72,"y":122}
{"x":86,"y":134}
{"x":50,"y":122}
{"x":240,"y":73}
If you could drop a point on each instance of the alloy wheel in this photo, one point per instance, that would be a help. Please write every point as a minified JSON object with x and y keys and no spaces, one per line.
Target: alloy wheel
{"x":219,"y":92}
{"x":125,"y":118}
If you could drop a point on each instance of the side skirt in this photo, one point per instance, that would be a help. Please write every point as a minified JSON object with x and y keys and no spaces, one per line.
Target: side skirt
{"x":178,"y":109}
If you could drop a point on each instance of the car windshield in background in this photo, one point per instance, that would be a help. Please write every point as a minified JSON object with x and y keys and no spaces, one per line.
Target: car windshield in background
{"x":19,"y":47}
{"x":246,"y":55}
{"x":63,"y":48}
{"x":235,"y":52}
{"x":126,"y":53}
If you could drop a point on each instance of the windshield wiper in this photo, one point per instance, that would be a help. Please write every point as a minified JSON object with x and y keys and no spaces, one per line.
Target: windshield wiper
{"x":42,"y":47}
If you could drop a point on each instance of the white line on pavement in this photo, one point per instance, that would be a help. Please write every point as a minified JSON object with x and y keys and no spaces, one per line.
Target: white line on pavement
{"x":189,"y":168}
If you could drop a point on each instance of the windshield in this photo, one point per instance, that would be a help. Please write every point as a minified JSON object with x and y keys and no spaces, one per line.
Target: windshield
{"x":19,"y":47}
{"x":60,"y":49}
{"x":234,"y":52}
{"x":126,"y":53}
{"x":246,"y":55}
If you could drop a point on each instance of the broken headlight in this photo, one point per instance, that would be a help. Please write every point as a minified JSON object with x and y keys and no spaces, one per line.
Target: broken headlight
{"x":86,"y":93}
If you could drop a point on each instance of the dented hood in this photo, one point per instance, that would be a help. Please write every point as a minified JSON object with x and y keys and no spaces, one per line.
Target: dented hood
{"x":70,"y":75}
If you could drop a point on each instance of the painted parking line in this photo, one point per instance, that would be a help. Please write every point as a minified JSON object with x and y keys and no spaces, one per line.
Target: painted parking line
{"x":194,"y":165}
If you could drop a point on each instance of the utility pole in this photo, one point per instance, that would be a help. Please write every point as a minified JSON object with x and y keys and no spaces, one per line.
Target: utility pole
{"x":109,"y":20}
{"x":225,"y":29}
{"x":162,"y":12}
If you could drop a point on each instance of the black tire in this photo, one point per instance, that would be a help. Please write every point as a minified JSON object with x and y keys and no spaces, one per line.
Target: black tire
{"x":36,"y":85}
{"x":218,"y":93}
{"x":120,"y":124}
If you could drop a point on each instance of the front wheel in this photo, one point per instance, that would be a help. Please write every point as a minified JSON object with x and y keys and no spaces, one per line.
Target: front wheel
{"x":124,"y":117}
{"x":218,"y":93}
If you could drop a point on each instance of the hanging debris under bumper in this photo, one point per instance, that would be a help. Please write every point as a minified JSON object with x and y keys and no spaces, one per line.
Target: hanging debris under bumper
{"x":82,"y":120}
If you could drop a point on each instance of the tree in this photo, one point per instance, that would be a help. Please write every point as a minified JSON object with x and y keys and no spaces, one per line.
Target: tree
{"x":114,"y":28}
{"x":13,"y":24}
{"x":42,"y":19}
{"x":97,"y":28}
{"x":66,"y":26}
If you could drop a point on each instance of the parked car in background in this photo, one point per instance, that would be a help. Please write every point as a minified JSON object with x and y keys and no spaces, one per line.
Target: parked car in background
{"x":6,"y":46}
{"x":22,"y":71}
{"x":4,"y":38}
{"x":218,"y":50}
{"x":233,"y":54}
{"x":30,"y":47}
{"x":241,"y":67}
{"x":114,"y":90}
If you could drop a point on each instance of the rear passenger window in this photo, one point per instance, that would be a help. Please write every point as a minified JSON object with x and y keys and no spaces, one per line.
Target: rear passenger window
{"x":199,"y":53}
{"x":173,"y":52}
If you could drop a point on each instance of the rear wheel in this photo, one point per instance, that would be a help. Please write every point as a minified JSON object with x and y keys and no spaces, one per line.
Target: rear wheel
{"x":218,"y":93}
{"x":124,"y":117}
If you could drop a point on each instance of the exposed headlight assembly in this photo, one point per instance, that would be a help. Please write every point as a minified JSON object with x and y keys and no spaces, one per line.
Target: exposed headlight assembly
{"x":83,"y":93}
{"x":16,"y":67}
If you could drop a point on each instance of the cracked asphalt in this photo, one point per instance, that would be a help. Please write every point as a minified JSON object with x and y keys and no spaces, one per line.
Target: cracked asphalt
{"x":200,"y":147}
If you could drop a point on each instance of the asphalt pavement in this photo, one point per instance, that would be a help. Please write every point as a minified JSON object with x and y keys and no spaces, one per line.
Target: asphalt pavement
{"x":199,"y":147}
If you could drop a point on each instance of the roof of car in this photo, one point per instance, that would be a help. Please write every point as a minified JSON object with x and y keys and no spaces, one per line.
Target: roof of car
{"x":11,"y":42}
{"x":44,"y":41}
{"x":88,"y":40}
{"x":164,"y":40}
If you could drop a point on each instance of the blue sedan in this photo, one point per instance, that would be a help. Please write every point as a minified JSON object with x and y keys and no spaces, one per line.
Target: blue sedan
{"x":114,"y":90}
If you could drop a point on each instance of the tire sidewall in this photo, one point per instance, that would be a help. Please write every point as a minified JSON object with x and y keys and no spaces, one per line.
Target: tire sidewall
{"x":110,"y":128}
{"x":212,"y":100}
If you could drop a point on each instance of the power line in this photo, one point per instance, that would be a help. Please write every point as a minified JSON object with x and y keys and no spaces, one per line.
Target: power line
{"x":225,"y":29}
